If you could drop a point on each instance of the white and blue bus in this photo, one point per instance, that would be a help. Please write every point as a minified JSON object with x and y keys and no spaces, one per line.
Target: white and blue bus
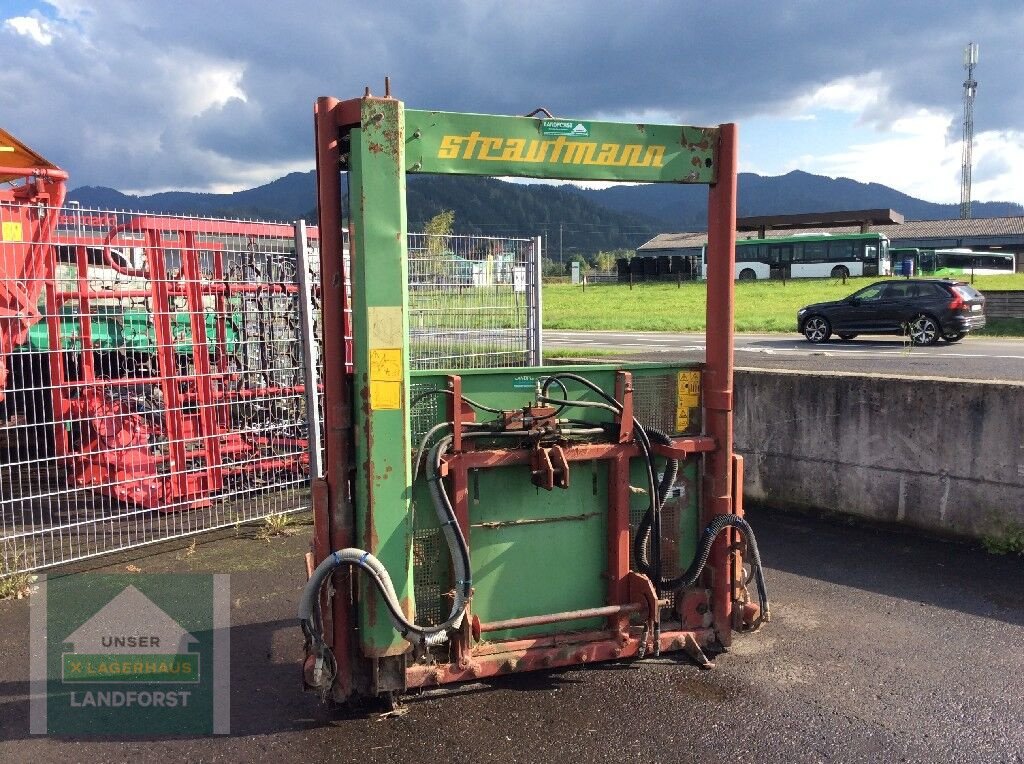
{"x":812,"y":255}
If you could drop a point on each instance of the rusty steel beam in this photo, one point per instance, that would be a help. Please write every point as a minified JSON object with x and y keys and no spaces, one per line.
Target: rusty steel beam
{"x":549,"y":652}
{"x":569,"y":615}
{"x":718,"y":373}
{"x":338,"y":530}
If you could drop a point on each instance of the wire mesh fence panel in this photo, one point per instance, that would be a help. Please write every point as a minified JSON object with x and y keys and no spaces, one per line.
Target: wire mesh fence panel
{"x":470,"y":301}
{"x":158,"y":391}
{"x":154,"y":377}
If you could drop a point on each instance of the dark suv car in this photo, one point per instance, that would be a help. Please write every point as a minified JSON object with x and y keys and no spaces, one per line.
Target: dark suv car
{"x":924,"y":309}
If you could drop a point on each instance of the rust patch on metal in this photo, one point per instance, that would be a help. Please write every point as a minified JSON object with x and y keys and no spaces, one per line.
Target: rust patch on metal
{"x":375,"y":148}
{"x":535,"y":521}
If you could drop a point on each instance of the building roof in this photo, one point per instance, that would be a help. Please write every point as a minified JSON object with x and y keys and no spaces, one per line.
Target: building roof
{"x":817,"y":219}
{"x":911,"y":229}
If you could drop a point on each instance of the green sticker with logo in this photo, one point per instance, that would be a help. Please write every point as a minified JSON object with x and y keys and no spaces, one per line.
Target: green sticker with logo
{"x":569,"y":127}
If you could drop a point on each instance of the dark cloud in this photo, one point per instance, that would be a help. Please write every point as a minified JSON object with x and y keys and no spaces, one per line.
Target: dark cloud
{"x":109,"y":98}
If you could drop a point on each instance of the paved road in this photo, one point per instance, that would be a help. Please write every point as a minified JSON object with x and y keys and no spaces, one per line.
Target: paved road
{"x":884,"y":646}
{"x":972,"y":358}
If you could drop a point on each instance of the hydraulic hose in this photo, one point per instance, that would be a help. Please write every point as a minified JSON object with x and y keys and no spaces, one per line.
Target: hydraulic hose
{"x":700,"y":559}
{"x":650,"y":525}
{"x":309,"y":602}
{"x":643,"y":532}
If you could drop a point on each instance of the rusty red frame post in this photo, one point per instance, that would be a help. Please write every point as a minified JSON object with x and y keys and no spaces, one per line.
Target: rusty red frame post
{"x":718,"y":372}
{"x":334,"y":522}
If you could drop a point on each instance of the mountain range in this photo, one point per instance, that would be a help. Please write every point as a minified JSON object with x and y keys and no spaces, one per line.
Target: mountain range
{"x":573,"y":220}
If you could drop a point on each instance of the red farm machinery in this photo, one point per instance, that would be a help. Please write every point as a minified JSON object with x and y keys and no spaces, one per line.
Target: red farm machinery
{"x":152,"y":357}
{"x":473,"y":523}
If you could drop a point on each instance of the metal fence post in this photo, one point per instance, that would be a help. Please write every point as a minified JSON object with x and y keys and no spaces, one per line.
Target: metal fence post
{"x":310,"y":354}
{"x":534,"y":305}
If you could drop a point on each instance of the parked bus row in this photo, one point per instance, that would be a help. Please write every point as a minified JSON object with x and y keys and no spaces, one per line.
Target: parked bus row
{"x":824,"y":255}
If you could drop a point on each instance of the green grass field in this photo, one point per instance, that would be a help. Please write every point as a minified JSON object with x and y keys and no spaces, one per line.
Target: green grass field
{"x":761,"y":306}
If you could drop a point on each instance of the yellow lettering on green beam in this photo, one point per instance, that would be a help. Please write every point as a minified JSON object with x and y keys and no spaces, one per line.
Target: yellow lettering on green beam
{"x":579,"y":153}
{"x":471,"y":142}
{"x":514,"y":150}
{"x":486,"y":145}
{"x":538,"y":151}
{"x":450,"y":147}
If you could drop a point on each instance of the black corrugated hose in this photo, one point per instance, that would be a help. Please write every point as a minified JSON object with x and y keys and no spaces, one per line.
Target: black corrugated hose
{"x":650,"y":525}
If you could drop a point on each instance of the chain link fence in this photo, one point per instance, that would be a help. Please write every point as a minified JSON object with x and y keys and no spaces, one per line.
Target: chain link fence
{"x":159,"y":369}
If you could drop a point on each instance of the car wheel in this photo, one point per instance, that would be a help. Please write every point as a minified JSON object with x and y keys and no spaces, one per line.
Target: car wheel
{"x":840,"y":272}
{"x":923,"y":330}
{"x":817,"y":329}
{"x":747,"y":275}
{"x":847,"y":335}
{"x":954,"y":336}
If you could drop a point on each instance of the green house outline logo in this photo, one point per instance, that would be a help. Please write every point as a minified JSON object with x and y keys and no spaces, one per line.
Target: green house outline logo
{"x":113,"y":647}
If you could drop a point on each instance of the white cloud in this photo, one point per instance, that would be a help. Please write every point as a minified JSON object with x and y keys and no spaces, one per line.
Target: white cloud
{"x":32,"y":27}
{"x":915,"y":156}
{"x":197,"y":83}
{"x":156,"y":94}
{"x":857,"y":95}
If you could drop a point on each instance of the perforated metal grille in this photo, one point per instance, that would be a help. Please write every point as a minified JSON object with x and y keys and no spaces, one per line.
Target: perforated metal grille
{"x":426,"y":550}
{"x":654,"y":402}
{"x":670,"y":523}
{"x":426,"y":411}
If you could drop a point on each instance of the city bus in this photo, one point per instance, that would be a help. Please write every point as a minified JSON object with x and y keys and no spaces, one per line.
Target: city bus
{"x":812,"y":255}
{"x":957,"y":262}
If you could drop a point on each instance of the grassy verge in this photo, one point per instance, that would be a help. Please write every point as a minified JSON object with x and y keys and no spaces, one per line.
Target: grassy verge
{"x":573,"y":353}
{"x":1003,"y":327}
{"x":761,"y":306}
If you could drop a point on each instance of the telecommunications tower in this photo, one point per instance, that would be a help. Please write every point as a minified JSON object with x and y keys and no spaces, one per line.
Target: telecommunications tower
{"x":970,"y":88}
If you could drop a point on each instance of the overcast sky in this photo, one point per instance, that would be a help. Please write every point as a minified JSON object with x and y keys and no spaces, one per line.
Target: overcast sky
{"x":146,"y":95}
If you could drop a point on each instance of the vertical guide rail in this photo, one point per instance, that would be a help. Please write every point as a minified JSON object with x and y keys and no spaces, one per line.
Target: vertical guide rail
{"x":380,"y":348}
{"x":534,"y":304}
{"x":718,"y":392}
{"x":333,"y":521}
{"x":310,"y":351}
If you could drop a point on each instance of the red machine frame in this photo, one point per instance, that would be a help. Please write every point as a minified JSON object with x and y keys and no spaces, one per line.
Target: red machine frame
{"x":628,"y":592}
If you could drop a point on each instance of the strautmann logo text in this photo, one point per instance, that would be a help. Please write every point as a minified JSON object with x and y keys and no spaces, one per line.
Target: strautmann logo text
{"x":563,"y":149}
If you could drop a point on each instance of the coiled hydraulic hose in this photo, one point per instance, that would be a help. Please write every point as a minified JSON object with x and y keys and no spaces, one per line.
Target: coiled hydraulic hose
{"x":650,"y":525}
{"x":309,"y":602}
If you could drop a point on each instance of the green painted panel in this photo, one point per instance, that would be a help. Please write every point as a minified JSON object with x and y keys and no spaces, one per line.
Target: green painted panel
{"x":528,"y":568}
{"x":380,"y":345}
{"x":483,"y":144}
{"x":113,"y":328}
{"x":521,"y":569}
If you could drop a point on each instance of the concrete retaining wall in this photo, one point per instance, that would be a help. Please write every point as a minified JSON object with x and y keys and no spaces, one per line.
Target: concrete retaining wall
{"x":942,"y":455}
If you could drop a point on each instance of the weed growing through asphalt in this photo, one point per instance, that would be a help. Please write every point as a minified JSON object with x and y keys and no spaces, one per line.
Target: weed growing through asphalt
{"x":14,"y":582}
{"x":1006,"y":537}
{"x":278,"y":524}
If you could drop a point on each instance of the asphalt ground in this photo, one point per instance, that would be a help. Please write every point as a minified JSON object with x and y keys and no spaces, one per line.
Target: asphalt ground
{"x":978,"y":358}
{"x":884,"y":646}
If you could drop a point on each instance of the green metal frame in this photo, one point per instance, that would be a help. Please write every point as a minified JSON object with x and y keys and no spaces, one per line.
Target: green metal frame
{"x":379,"y":142}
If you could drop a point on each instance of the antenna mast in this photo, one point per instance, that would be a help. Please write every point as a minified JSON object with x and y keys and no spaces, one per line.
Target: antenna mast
{"x":970,"y":88}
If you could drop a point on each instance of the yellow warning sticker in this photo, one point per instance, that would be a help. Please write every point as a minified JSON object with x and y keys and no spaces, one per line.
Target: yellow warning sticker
{"x":11,"y":231}
{"x":386,"y":379}
{"x":385,"y":395}
{"x":687,"y":398}
{"x":386,"y":365}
